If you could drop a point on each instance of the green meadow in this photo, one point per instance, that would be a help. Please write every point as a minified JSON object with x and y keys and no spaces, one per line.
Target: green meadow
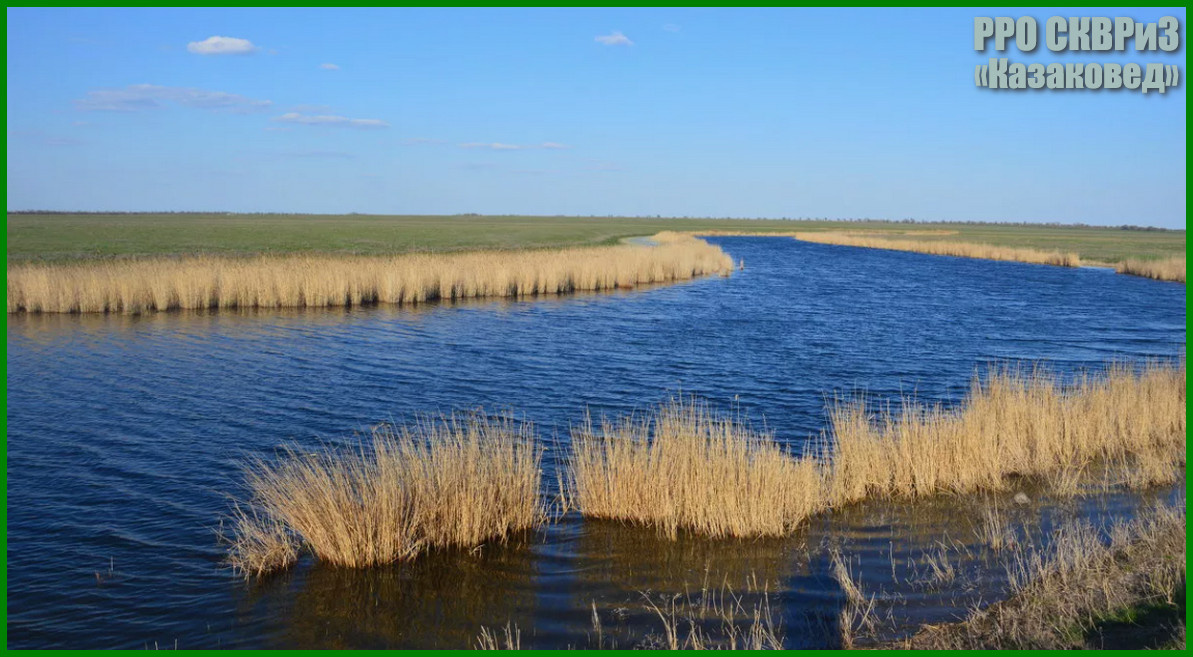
{"x":67,"y":237}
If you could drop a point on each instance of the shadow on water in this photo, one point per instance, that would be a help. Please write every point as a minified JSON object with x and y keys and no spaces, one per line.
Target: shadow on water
{"x":432,"y":602}
{"x":915,"y":562}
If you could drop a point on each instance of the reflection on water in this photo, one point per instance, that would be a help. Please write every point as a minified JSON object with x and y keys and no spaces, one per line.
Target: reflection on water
{"x":551,"y":584}
{"x":125,"y":434}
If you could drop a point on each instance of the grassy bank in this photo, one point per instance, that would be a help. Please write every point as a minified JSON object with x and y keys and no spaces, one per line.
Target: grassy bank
{"x":948,"y":242}
{"x":1125,"y":592}
{"x":72,"y":237}
{"x":138,"y":262}
{"x":1171,"y":268}
{"x":951,"y":248}
{"x":1167,"y":269}
{"x":135,"y":286}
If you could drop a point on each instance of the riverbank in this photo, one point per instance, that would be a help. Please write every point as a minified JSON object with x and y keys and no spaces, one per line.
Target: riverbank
{"x":950,"y":248}
{"x":296,"y":281}
{"x":66,"y":237}
{"x":1124,"y":591}
{"x":947,"y":242}
{"x":1168,"y":269}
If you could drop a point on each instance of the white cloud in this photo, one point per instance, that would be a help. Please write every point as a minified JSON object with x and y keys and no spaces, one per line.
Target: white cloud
{"x":670,"y":27}
{"x":329,"y":67}
{"x":221,"y":45}
{"x":329,"y":120}
{"x":614,"y":39}
{"x":137,"y":97}
{"x":498,"y":146}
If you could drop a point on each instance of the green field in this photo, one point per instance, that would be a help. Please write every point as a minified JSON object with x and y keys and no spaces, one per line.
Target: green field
{"x":66,"y":237}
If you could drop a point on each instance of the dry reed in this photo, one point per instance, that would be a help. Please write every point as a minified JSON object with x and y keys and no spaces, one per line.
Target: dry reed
{"x":450,"y":482}
{"x":143,"y":285}
{"x":1016,"y":422}
{"x":950,"y":248}
{"x":713,"y":619}
{"x":737,"y":627}
{"x":1062,"y":594}
{"x":510,"y":638}
{"x":686,"y":468}
{"x":1168,"y":269}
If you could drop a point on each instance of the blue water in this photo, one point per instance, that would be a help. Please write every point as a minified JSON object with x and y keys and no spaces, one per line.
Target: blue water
{"x":125,"y":434}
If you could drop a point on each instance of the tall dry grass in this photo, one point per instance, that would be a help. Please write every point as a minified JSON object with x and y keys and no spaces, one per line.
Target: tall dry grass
{"x":143,"y":285}
{"x":960,"y":249}
{"x":447,"y":482}
{"x":685,"y":468}
{"x":1015,"y":422}
{"x":1062,"y":594}
{"x":1168,"y":269}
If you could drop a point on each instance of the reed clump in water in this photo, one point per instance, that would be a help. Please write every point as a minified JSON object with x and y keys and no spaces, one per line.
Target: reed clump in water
{"x":143,"y":285}
{"x":447,"y":482}
{"x":941,"y":247}
{"x":1016,"y":422}
{"x":1168,"y":269}
{"x":685,"y":468}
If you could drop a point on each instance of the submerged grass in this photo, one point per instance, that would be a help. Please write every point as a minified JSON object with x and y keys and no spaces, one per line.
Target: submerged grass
{"x":942,"y":247}
{"x":1085,"y":591}
{"x":710,"y":619}
{"x":144,"y":285}
{"x":1167,"y":269}
{"x":447,"y":482}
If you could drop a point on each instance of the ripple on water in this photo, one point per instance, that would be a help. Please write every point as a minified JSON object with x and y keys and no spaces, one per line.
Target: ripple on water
{"x":124,"y":436}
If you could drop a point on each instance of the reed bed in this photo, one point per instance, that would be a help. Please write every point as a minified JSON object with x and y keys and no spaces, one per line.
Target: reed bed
{"x":265,"y":281}
{"x":949,"y":248}
{"x":444,"y":483}
{"x":1168,"y":269}
{"x":685,"y":468}
{"x":464,"y":480}
{"x":1015,"y":422}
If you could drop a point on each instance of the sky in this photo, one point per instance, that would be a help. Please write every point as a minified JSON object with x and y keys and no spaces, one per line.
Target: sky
{"x":843,"y":113}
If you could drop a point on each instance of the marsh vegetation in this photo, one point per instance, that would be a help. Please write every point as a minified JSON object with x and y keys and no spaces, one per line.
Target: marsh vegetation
{"x":306,"y":281}
{"x":683,"y":468}
{"x":942,"y":247}
{"x":1166,"y":269}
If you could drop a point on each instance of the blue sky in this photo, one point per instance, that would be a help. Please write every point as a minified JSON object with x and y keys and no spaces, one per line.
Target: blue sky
{"x":685,"y":112}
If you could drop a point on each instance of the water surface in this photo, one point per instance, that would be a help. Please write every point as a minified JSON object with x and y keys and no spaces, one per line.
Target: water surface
{"x":125,"y":435}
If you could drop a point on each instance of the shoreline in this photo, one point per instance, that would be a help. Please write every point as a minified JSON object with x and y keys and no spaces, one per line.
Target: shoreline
{"x":1171,"y":269}
{"x":305,"y":281}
